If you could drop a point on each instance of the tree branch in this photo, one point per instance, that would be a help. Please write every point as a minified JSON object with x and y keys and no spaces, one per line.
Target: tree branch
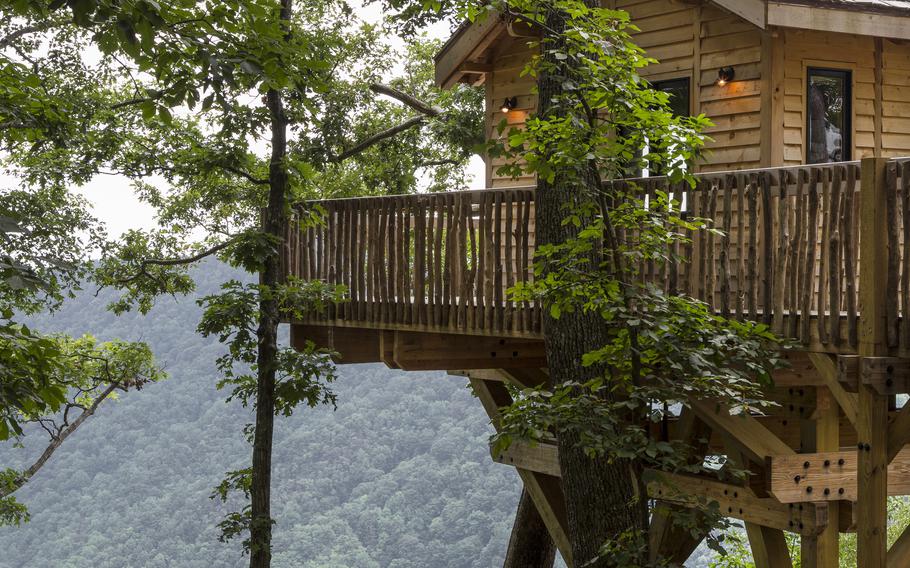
{"x":138,"y":100}
{"x":171,"y":262}
{"x":378,"y":137}
{"x":56,"y":441}
{"x":34,"y":28}
{"x":409,"y":100}
{"x":243,"y":174}
{"x":413,"y":102}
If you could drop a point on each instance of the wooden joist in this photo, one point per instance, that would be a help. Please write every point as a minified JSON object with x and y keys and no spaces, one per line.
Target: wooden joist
{"x":886,"y":375}
{"x":353,"y":345}
{"x":540,"y":458}
{"x":415,"y":351}
{"x":736,"y":502}
{"x":750,"y":436}
{"x":829,"y":476}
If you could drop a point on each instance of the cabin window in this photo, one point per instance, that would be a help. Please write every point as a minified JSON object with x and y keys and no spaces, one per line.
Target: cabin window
{"x":680,"y":105}
{"x":828,"y":112}
{"x":679,"y":92}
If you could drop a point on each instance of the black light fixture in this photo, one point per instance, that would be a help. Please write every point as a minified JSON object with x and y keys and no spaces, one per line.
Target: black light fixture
{"x":725,"y":75}
{"x":509,"y":104}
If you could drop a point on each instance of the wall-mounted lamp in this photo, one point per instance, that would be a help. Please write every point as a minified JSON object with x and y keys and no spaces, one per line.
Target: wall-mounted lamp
{"x":725,"y":75}
{"x":509,"y":104}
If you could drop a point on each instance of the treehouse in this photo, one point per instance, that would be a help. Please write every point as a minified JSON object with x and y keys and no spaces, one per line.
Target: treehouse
{"x":806,"y":181}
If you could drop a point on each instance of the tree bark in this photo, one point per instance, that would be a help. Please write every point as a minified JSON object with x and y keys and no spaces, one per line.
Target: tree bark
{"x":267,"y":334}
{"x":604,"y":498}
{"x":530,"y":545}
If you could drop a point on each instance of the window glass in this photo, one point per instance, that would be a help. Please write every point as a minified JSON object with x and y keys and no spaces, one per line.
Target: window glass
{"x":828,"y":111}
{"x":678,"y":89}
{"x":679,"y":104}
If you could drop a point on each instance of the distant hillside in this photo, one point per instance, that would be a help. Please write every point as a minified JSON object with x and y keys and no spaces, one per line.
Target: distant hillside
{"x":399,"y":476}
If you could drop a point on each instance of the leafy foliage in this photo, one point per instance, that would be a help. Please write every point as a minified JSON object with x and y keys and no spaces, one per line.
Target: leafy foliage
{"x":399,"y":475}
{"x":600,"y":120}
{"x":174,"y":104}
{"x":72,"y":380}
{"x":304,"y":371}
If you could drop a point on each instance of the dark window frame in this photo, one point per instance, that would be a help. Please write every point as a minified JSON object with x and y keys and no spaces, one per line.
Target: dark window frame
{"x":683,"y":83}
{"x":846,"y":76}
{"x":670,"y":83}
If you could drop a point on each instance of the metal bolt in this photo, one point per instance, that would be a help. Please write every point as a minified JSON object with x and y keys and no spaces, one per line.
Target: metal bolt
{"x":796,"y":479}
{"x":827,"y":491}
{"x":827,"y":463}
{"x":805,"y":465}
{"x":809,"y":489}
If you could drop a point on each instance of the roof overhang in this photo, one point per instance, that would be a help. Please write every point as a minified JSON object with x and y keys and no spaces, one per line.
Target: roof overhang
{"x":863,"y":18}
{"x":458,"y":57}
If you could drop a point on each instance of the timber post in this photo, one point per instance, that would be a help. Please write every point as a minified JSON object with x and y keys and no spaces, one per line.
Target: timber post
{"x":872,"y":411}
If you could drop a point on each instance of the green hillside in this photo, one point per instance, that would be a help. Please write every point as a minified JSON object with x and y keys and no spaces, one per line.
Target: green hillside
{"x":399,"y":476}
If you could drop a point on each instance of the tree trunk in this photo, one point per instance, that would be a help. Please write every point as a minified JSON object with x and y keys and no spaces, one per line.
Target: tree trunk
{"x":267,"y":334}
{"x":530,"y":545}
{"x":604,"y":498}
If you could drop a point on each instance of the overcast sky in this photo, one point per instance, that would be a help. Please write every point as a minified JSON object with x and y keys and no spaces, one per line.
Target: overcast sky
{"x":114,"y":203}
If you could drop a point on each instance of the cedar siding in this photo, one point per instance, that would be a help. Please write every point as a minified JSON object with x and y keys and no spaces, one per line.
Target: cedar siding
{"x":760,"y":117}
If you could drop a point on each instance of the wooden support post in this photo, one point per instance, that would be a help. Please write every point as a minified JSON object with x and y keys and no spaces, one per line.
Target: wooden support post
{"x":769,"y":547}
{"x":545,"y":490}
{"x":822,"y":552}
{"x":872,"y":408}
{"x":667,"y":540}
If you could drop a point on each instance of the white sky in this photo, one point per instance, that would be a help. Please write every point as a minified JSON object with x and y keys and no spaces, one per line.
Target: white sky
{"x":114,"y":203}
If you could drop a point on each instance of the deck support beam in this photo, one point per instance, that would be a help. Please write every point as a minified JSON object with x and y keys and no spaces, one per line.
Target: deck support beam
{"x":545,"y":490}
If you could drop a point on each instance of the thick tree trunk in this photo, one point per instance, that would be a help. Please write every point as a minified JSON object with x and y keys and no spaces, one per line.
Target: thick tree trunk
{"x":603,"y":498}
{"x":267,"y":334}
{"x":530,"y":545}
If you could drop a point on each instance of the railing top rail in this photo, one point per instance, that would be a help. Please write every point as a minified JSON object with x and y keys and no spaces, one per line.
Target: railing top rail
{"x":747,"y":172}
{"x":775,"y":172}
{"x":417,"y":196}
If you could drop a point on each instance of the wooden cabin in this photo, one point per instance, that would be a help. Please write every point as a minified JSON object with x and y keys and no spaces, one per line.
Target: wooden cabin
{"x":805,"y":178}
{"x":781,"y":53}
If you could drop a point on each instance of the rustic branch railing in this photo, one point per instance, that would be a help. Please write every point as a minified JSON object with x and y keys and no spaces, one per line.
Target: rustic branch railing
{"x":787,"y":254}
{"x":442,"y":261}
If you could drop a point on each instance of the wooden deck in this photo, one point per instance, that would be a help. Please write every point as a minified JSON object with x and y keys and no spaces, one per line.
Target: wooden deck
{"x":428,"y":277}
{"x":787,"y":255}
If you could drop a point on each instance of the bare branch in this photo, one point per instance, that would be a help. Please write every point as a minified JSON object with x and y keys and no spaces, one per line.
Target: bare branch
{"x":379,"y":137}
{"x":56,"y":441}
{"x":411,"y":101}
{"x":34,"y":28}
{"x":432,"y":163}
{"x":243,"y":174}
{"x":138,"y":101}
{"x":189,"y":259}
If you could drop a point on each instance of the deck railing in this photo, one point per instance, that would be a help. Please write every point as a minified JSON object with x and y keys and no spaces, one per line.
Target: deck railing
{"x":787,"y":254}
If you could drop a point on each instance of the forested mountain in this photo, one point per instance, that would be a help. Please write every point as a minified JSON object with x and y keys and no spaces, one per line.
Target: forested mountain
{"x":399,"y":476}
